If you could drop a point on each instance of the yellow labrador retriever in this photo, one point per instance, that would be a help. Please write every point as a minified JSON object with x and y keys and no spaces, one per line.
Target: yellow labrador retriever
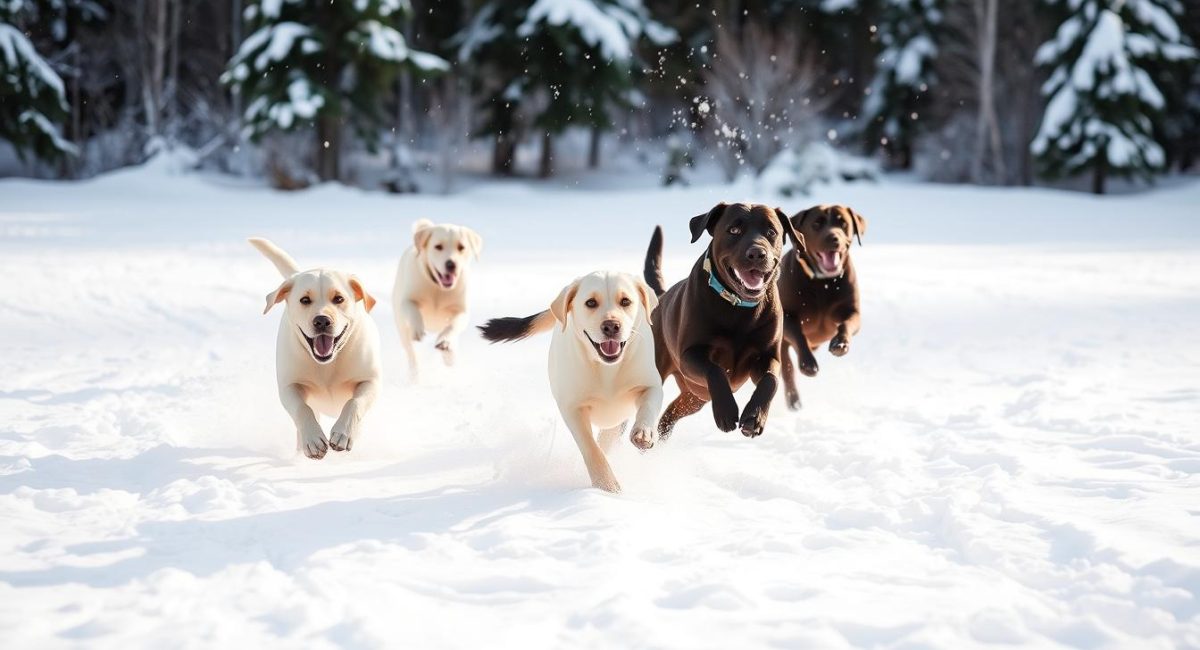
{"x":430,"y":294}
{"x":602,"y":370}
{"x":327,"y":351}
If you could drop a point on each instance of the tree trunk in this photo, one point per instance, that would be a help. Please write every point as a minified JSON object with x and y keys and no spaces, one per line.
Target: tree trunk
{"x":503,"y":153}
{"x":328,"y":148}
{"x":987,"y":126}
{"x":1100,"y":174}
{"x":594,"y":148}
{"x":546,"y":168}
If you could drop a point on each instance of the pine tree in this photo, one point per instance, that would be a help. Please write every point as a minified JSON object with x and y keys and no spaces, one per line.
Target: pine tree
{"x":564,"y":64}
{"x":32,"y":100}
{"x":909,"y":31}
{"x":1103,"y":104}
{"x":322,"y":64}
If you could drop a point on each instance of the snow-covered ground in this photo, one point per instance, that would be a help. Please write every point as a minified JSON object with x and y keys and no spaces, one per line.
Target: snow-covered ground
{"x":1008,"y":455}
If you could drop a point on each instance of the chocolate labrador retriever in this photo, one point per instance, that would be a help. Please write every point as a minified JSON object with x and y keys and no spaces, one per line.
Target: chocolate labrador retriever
{"x":722,"y":325}
{"x":819,"y":291}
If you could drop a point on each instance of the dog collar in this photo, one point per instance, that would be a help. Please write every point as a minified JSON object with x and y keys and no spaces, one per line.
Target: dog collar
{"x":715,"y":284}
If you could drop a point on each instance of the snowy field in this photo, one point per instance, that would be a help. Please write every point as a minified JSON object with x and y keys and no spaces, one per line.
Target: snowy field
{"x":1009,"y":454}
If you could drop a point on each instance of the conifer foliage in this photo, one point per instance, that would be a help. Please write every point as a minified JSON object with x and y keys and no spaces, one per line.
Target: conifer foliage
{"x":1103,"y":103}
{"x":32,"y":100}
{"x":322,"y":63}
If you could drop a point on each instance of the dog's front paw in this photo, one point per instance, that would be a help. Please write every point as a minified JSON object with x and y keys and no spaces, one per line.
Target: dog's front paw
{"x":839,"y":345}
{"x":418,"y":334}
{"x":314,"y":445}
{"x":341,"y":440}
{"x":725,"y":413}
{"x":752,"y":422}
{"x":643,"y":437}
{"x":808,"y":365}
{"x":447,"y":350}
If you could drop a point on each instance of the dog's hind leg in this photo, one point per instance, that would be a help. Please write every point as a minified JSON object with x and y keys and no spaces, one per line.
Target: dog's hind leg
{"x":593,"y":457}
{"x":789,"y":376}
{"x":411,"y":327}
{"x":684,"y":405}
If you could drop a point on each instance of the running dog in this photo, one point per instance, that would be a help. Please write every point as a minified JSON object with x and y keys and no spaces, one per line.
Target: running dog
{"x":327,"y":351}
{"x":819,"y":290}
{"x":722,"y":324}
{"x":602,"y":371}
{"x":430,"y":293}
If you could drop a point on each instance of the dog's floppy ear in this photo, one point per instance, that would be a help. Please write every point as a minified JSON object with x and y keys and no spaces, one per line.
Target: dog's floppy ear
{"x":562,"y":304}
{"x":799,"y":218}
{"x":649,"y":299}
{"x":702,"y":222}
{"x":860,"y":225}
{"x":361,"y":294}
{"x":474,"y":241}
{"x":422,"y":231}
{"x":279,"y":294}
{"x":788,"y":230}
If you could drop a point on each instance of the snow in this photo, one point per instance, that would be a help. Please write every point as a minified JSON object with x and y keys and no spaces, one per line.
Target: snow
{"x":911,"y":57}
{"x":43,"y":124}
{"x":20,"y":53}
{"x":1107,"y":68}
{"x":1008,"y":455}
{"x":609,"y":27}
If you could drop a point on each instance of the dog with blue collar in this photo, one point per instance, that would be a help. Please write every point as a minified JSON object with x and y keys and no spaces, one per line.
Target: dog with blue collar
{"x":721,"y":326}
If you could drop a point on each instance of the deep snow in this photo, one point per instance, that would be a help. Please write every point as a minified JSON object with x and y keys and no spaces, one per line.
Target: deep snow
{"x":1008,"y":455}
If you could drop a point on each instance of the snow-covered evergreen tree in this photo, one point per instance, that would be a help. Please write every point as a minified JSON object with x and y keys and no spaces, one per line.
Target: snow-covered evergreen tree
{"x":1103,"y":103}
{"x":565,"y":62}
{"x":909,"y":31}
{"x":32,"y":100}
{"x":326,"y":64}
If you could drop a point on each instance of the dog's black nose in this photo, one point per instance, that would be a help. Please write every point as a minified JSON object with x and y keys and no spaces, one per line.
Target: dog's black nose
{"x":451,"y":265}
{"x":611,"y":328}
{"x":756,"y":254}
{"x":832,"y":240}
{"x":322,"y":323}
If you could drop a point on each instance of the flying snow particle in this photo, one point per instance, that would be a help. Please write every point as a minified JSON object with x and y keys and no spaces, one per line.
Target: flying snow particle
{"x":704,"y":108}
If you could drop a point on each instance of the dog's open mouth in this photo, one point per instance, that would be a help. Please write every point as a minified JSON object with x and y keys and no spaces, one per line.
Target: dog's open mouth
{"x":829,"y":261}
{"x":751,"y":282}
{"x":609,"y":349}
{"x":445,"y":280}
{"x":323,"y":346}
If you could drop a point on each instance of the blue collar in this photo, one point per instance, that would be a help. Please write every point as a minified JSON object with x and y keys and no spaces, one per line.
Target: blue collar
{"x":715,"y":284}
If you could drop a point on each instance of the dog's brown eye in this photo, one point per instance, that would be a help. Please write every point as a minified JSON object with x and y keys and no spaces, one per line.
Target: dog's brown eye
{"x":625,"y":302}
{"x":305,"y":300}
{"x":771,"y":234}
{"x":591,"y":303}
{"x":461,"y":248}
{"x":439,"y":247}
{"x":337,"y":300}
{"x":735,"y":230}
{"x":820,"y":223}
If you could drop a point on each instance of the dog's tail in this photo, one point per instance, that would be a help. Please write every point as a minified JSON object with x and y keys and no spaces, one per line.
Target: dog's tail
{"x":653,"y":270}
{"x":282,"y":261}
{"x":512,"y":328}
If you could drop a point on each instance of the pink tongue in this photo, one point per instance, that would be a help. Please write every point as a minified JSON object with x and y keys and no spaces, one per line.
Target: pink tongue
{"x":752,"y":279}
{"x":323,"y":345}
{"x":610,"y":348}
{"x":447,"y":279}
{"x":829,"y":261}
